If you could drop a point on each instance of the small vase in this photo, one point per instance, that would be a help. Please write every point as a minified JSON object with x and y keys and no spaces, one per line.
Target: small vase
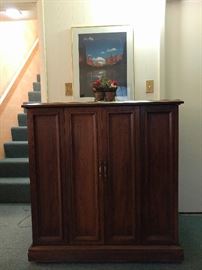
{"x":99,"y":95}
{"x":110,"y":95}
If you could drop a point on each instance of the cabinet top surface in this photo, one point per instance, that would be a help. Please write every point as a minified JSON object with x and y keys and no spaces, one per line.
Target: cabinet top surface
{"x":102,"y":103}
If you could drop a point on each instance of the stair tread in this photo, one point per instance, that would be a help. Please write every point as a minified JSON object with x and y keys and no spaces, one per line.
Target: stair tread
{"x":19,"y":127}
{"x":14,"y":180}
{"x":34,"y":93}
{"x":37,"y":83}
{"x":22,"y":114}
{"x":16,"y":142}
{"x":31,"y":102}
{"x":14,"y":160}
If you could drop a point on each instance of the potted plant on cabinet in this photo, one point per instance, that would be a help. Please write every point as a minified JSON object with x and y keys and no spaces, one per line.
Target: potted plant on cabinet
{"x":105,"y":89}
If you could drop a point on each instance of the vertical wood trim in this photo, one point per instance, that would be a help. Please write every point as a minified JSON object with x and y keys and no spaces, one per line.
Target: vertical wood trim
{"x":120,"y":214}
{"x":45,"y":137}
{"x":160,"y":184}
{"x":82,"y":138}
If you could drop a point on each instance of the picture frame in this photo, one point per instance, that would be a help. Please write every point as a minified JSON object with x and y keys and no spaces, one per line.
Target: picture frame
{"x":102,"y":51}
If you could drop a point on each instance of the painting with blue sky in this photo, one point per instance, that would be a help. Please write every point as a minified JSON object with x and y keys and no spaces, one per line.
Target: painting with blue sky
{"x":102,"y":55}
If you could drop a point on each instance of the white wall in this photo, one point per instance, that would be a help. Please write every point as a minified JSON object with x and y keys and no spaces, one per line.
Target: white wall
{"x":183,"y":79}
{"x":145,"y":17}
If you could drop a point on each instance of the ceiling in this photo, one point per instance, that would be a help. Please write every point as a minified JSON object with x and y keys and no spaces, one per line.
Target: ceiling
{"x":27,"y":8}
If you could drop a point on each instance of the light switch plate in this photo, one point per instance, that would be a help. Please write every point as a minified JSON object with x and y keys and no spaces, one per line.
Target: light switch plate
{"x":150,"y":86}
{"x":68,"y":89}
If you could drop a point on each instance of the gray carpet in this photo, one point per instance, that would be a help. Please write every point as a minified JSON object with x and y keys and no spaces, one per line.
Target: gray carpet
{"x":15,"y":238}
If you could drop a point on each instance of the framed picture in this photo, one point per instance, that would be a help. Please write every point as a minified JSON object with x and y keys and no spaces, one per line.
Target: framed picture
{"x":102,"y":51}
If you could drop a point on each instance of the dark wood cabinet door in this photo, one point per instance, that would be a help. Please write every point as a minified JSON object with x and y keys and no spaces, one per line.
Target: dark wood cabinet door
{"x":83,"y":161}
{"x":120,"y":154}
{"x":159,"y":185}
{"x":46,"y":173}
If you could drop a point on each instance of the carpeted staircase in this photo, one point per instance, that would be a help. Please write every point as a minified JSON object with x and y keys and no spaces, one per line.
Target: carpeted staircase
{"x":14,"y":171}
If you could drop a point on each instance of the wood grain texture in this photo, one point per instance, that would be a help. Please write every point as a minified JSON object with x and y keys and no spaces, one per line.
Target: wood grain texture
{"x":82,"y":138}
{"x":159,"y":196}
{"x":46,"y":175}
{"x":104,"y":182}
{"x":120,"y":183}
{"x":107,"y":253}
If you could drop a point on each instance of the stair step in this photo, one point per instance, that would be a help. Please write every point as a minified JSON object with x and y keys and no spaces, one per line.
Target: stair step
{"x":15,"y":190}
{"x":29,"y":102}
{"x":19,"y":133}
{"x":38,"y":77}
{"x":37,"y":86}
{"x":34,"y":96}
{"x":22,"y":119}
{"x":14,"y":167}
{"x":16,"y":149}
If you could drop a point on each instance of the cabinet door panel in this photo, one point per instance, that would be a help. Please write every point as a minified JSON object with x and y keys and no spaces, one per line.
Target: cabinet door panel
{"x":82,"y":138}
{"x":46,"y":181}
{"x":159,"y":187}
{"x":120,"y":205}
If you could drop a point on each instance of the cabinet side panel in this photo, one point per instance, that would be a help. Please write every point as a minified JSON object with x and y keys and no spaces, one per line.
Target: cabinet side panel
{"x":85,"y":209}
{"x":120,"y":183}
{"x":45,"y":160}
{"x":159,"y":194}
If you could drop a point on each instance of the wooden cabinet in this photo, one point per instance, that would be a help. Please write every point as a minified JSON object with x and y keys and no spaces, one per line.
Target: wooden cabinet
{"x":104,"y":181}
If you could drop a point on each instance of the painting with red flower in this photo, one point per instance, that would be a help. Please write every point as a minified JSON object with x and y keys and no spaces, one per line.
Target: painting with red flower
{"x":103,"y":52}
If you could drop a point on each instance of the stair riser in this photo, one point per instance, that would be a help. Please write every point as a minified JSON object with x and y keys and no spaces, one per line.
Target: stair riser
{"x":37,"y":86}
{"x":14,"y":169}
{"x":22,"y":120}
{"x":34,"y":96}
{"x":38,"y":77}
{"x":15,"y":193}
{"x":19,"y":134}
{"x":16,"y":151}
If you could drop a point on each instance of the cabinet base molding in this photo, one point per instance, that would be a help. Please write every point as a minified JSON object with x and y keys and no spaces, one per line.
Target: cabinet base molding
{"x":157,"y":253}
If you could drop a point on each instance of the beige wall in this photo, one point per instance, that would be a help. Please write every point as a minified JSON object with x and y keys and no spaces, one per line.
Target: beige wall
{"x":184,"y":80}
{"x":17,"y":38}
{"x":146,"y":18}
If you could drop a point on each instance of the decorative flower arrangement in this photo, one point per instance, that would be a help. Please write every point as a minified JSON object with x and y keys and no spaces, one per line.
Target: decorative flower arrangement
{"x":104,"y":84}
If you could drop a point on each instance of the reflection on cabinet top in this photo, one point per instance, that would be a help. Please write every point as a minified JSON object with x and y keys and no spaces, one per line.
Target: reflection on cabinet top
{"x":102,"y":103}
